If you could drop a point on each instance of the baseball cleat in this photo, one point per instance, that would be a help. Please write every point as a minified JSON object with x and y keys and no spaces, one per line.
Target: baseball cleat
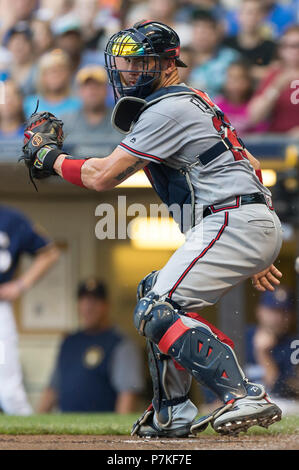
{"x":247,"y":412}
{"x":151,"y":431}
{"x":145,"y":427}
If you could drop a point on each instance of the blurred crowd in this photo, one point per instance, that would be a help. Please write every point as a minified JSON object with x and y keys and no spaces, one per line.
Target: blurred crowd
{"x":244,"y":53}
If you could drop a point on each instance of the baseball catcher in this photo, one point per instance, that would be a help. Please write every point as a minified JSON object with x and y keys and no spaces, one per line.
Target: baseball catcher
{"x":195,"y":160}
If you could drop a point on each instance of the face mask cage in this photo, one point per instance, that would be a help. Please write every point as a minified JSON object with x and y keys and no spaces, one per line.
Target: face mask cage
{"x":132,"y":65}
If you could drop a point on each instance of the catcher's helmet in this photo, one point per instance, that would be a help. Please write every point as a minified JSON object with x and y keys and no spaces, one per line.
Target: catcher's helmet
{"x":147,"y":42}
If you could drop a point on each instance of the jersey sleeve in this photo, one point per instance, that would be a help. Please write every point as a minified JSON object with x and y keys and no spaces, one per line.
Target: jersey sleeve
{"x":155,"y":137}
{"x":126,"y":368}
{"x":31,"y":238}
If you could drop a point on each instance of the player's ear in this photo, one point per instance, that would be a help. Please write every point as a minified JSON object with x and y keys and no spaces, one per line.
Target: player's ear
{"x":168,"y":66}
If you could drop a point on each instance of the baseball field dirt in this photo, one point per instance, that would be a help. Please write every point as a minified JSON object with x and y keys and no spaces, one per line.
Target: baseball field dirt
{"x":113,"y":443}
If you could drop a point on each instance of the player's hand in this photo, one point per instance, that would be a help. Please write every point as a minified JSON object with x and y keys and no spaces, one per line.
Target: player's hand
{"x":267,"y":279}
{"x":43,"y":140}
{"x":11,"y":290}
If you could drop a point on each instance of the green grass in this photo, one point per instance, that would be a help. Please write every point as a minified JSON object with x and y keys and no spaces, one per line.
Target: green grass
{"x":107,"y":423}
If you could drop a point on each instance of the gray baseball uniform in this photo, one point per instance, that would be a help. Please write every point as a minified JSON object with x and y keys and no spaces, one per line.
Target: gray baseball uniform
{"x":229,"y":245}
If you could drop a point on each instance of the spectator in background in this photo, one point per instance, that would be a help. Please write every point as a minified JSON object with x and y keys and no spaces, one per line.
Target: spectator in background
{"x":96,"y":25}
{"x":249,"y":41}
{"x":17,"y":237}
{"x":278,"y":18}
{"x":273,"y":100}
{"x":56,"y":8}
{"x":237,"y":91}
{"x":11,"y":113}
{"x":19,"y":42}
{"x":165,"y":12}
{"x":268,"y":346}
{"x":136,"y":12}
{"x":100,"y":20}
{"x":23,"y":9}
{"x":211,"y":58}
{"x":42,"y":37}
{"x":69,"y":38}
{"x":12,"y":12}
{"x":98,"y":369}
{"x":212,"y":7}
{"x":53,"y":85}
{"x":89,"y":128}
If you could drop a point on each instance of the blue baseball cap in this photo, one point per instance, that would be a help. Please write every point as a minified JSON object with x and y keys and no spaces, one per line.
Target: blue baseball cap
{"x":280,"y":299}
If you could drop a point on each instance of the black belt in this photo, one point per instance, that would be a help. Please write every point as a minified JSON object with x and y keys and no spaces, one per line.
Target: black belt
{"x":255,"y":198}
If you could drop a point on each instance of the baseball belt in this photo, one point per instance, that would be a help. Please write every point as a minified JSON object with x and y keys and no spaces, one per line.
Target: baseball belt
{"x":255,"y":198}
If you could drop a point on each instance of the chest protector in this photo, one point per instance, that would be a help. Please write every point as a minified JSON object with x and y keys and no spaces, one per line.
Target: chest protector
{"x":174,"y":185}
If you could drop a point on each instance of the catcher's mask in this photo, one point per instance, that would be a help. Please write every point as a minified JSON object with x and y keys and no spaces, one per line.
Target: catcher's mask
{"x":133,"y":57}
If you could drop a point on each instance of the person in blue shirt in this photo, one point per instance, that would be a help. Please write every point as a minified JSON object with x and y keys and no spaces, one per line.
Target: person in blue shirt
{"x":278,"y":18}
{"x":211,"y":58}
{"x":54,"y":86}
{"x":269,"y":344}
{"x":17,"y":237}
{"x":98,"y":369}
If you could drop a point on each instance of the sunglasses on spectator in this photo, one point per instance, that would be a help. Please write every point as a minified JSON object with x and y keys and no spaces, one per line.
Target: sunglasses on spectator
{"x":289,"y":45}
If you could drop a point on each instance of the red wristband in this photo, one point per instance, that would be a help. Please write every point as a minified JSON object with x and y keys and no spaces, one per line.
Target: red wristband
{"x":259,"y":175}
{"x":71,"y":170}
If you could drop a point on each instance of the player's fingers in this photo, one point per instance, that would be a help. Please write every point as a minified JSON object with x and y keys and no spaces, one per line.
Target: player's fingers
{"x":260,"y":288}
{"x":266,"y":284}
{"x":272,"y":278}
{"x":257,"y":285}
{"x":275,"y":271}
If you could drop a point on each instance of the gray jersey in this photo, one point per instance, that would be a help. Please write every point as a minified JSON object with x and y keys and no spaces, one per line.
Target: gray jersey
{"x":173,"y":132}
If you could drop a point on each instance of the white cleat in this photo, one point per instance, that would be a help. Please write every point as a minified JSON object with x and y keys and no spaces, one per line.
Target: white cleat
{"x":246,"y":412}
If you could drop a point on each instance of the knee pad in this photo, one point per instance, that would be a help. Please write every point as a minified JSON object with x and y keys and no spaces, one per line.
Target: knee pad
{"x":152,"y":318}
{"x":146,"y":284}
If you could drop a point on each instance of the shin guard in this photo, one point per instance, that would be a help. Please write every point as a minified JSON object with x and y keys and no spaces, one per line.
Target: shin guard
{"x":211,"y":362}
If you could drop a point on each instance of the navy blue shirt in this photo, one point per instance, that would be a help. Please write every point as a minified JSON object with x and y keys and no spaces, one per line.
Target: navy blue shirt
{"x":17,"y":236}
{"x":90,"y":372}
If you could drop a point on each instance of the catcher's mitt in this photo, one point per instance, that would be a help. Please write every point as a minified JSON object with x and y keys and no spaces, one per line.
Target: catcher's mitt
{"x":43,"y":139}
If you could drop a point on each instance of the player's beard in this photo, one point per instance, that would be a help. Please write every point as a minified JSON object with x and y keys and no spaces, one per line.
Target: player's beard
{"x":131,"y":80}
